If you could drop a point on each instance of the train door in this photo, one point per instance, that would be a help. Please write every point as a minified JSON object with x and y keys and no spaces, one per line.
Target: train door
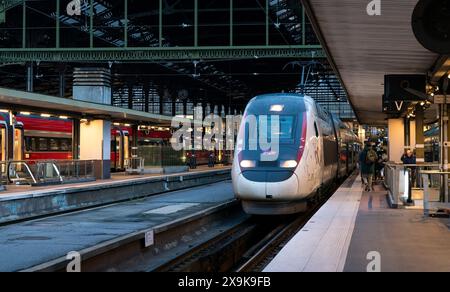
{"x":19,"y":142}
{"x":3,"y":148}
{"x":3,"y":141}
{"x":116,"y":146}
{"x":126,"y":147}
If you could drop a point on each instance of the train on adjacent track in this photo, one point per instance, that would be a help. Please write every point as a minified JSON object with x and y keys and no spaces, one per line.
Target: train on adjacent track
{"x":315,"y":150}
{"x":44,"y":137}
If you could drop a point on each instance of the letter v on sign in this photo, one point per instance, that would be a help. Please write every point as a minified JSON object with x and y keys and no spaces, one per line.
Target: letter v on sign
{"x":399,"y":105}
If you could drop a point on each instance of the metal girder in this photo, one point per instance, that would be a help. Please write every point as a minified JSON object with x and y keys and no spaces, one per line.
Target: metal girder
{"x":158,"y":54}
{"x":5,"y":5}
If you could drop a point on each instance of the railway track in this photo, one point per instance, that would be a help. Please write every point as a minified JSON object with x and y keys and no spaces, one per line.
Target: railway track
{"x":220,"y":239}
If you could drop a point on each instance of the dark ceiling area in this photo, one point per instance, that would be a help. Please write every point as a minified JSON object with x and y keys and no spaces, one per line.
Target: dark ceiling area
{"x":136,"y":24}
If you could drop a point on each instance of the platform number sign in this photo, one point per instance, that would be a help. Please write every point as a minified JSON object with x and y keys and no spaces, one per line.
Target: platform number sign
{"x":374,"y":259}
{"x":149,"y":238}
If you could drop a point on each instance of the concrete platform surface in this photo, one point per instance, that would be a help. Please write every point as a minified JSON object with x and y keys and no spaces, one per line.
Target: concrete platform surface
{"x":321,"y":244}
{"x":356,"y":231}
{"x":27,"y":202}
{"x":14,"y":191}
{"x":27,"y":244}
{"x":404,"y":240}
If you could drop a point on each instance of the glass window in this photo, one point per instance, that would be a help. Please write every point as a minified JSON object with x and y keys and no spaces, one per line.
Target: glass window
{"x":53,"y":144}
{"x":286,"y":127}
{"x":66,"y":144}
{"x":43,"y":144}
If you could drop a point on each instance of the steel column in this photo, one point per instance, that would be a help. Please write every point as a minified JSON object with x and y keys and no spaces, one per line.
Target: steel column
{"x":91,"y":23}
{"x":30,"y":76}
{"x":267,"y":23}
{"x":231,"y":23}
{"x":58,"y":8}
{"x":125,"y":33}
{"x":24,"y":24}
{"x":196,"y":23}
{"x":160,"y":28}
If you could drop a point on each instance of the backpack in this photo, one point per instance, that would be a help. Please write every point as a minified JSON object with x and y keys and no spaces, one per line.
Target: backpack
{"x":371,"y":157}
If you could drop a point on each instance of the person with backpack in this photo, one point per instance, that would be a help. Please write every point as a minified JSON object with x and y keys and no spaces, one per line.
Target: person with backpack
{"x":367,"y":160}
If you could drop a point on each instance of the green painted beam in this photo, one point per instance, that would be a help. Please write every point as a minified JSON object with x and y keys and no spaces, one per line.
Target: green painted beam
{"x":158,"y":54}
{"x":57,"y":30}
{"x":160,"y":28}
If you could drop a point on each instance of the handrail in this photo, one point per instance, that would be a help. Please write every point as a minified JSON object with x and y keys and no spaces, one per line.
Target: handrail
{"x":413,"y":165}
{"x":46,"y":171}
{"x":23,"y":164}
{"x":435,"y":172}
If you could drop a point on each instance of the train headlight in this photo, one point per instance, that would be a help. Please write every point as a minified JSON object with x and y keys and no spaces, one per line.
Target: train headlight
{"x":288,"y":164}
{"x":277,"y":108}
{"x":248,"y":164}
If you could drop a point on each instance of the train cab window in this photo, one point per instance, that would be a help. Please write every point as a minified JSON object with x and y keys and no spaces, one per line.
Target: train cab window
{"x":316,"y":129}
{"x":286,"y":127}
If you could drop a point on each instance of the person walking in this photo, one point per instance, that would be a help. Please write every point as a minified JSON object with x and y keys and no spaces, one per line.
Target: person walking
{"x":367,"y":160}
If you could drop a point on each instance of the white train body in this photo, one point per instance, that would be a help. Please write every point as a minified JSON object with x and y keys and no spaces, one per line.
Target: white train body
{"x":315,"y":149}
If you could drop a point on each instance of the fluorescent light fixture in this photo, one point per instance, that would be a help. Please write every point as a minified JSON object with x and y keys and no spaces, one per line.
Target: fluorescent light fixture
{"x":25,"y":113}
{"x":4,"y":111}
{"x":288,"y":164}
{"x":64,"y":117}
{"x":127,"y":125}
{"x":448,"y":76}
{"x":277,"y":108}
{"x":248,"y":164}
{"x":116,"y":124}
{"x":45,"y":115}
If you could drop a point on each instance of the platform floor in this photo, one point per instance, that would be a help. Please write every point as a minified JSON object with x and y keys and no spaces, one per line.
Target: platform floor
{"x":31,"y":243}
{"x":353,"y":224}
{"x":12,"y":191}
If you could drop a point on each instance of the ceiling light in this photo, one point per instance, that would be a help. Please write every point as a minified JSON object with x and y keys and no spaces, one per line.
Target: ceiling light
{"x":25,"y":113}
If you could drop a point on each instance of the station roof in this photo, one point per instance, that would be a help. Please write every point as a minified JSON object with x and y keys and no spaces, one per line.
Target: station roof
{"x":364,"y":48}
{"x":25,"y":101}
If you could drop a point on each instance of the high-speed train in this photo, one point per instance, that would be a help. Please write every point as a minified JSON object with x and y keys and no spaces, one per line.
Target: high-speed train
{"x":315,"y":149}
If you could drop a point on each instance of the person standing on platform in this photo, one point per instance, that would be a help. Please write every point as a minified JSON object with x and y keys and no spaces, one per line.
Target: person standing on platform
{"x":367,"y":160}
{"x":409,"y":159}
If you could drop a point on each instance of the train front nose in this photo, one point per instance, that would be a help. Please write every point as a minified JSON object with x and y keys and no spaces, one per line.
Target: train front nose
{"x":266,"y":186}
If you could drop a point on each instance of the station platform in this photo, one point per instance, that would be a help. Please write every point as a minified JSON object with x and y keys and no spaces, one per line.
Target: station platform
{"x":355,"y":230}
{"x":20,"y":202}
{"x":28,"y":244}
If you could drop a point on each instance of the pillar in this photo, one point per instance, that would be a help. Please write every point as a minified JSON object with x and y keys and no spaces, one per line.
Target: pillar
{"x":420,"y":138}
{"x":62,"y":84}
{"x":130,"y":95}
{"x":396,"y":135}
{"x":76,"y":139}
{"x":30,"y":77}
{"x":62,"y":80}
{"x":412,"y":134}
{"x":95,"y":144}
{"x":146,"y":97}
{"x":92,"y":85}
{"x":407,"y":133}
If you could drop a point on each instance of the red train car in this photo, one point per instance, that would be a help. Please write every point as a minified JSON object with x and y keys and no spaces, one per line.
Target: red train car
{"x":47,"y":138}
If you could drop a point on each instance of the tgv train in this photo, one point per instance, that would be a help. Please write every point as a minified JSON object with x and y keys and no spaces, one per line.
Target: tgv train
{"x":315,"y":150}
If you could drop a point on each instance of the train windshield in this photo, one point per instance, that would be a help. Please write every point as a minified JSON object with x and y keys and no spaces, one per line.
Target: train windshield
{"x":260,"y":128}
{"x":285,"y":126}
